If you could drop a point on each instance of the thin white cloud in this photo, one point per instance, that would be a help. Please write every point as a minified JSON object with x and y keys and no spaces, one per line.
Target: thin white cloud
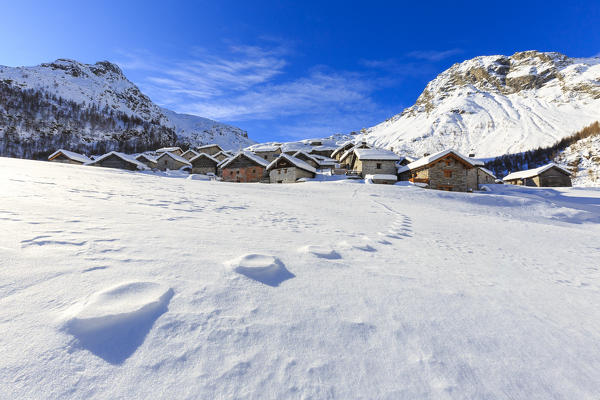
{"x":433,"y":55}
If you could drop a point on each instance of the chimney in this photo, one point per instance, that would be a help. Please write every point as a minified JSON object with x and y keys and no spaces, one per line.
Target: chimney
{"x":425,"y":154}
{"x":471,"y":155}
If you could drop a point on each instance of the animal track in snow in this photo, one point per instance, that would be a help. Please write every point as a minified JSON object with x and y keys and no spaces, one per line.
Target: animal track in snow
{"x":44,"y":240}
{"x":321,"y":252}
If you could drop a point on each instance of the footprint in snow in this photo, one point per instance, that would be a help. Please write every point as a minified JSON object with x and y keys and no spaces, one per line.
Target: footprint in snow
{"x":114,"y":322}
{"x":320,"y":251}
{"x":261,"y":268}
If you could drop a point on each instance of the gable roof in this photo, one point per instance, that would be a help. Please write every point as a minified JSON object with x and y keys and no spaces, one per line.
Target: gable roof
{"x":223,"y":152}
{"x":122,"y":156}
{"x":295,"y":162}
{"x":487,"y":171}
{"x":190,"y":151}
{"x":305,"y":154}
{"x":174,"y":157}
{"x":376,"y":154}
{"x":207,"y":146}
{"x":70,"y":155}
{"x":342,"y":147}
{"x":422,"y":162}
{"x":530,"y":173}
{"x":204,"y":155}
{"x":248,"y":154}
{"x":147,"y":157}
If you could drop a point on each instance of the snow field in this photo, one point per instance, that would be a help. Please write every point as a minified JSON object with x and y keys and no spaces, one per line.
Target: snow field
{"x":133,"y":285}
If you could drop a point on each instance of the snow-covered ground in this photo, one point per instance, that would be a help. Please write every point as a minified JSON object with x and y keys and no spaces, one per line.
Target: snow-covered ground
{"x":119,"y":284}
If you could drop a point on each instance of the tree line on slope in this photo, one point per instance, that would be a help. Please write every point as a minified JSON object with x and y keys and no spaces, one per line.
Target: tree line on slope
{"x":503,"y":165}
{"x":33,"y":123}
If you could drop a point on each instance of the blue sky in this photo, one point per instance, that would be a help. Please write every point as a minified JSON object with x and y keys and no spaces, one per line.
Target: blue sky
{"x":286,"y":70}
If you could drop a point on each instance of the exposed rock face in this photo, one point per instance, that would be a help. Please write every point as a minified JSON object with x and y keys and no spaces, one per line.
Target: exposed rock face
{"x":493,"y":105}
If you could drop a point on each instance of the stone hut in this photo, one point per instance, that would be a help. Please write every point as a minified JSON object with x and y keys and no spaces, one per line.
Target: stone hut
{"x":118,"y":160}
{"x":374,"y":162}
{"x":338,"y":152}
{"x":148,"y":160}
{"x":267,"y":152}
{"x":174,"y":150}
{"x":68,"y":157}
{"x":550,"y":175}
{"x":204,"y":164}
{"x":172,"y":161}
{"x":222,"y":155}
{"x":301,"y":155}
{"x":243,"y":167}
{"x":188,"y":155}
{"x":348,"y":159}
{"x":210,"y":149}
{"x":323,"y":150}
{"x":324,"y":162}
{"x":446,"y":170}
{"x":288,"y":169}
{"x":485,"y":176}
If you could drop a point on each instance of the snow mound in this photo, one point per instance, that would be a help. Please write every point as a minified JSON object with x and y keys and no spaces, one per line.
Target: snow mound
{"x":262,"y":268}
{"x":321,"y":252}
{"x":113,"y":323}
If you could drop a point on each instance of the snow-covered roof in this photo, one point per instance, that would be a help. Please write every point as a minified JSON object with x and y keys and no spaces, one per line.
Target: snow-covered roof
{"x":436,"y":156}
{"x":207,"y":146}
{"x":487,"y":171}
{"x":529,"y":173}
{"x":225,"y":153}
{"x":168,"y":149}
{"x":174,"y":157}
{"x":147,"y":157}
{"x":342,"y":147}
{"x":387,"y":177}
{"x":305,"y":154}
{"x":122,"y":156}
{"x":295,"y":161}
{"x":206,"y":156}
{"x":70,"y":155}
{"x":248,"y":154}
{"x":376,"y":154}
{"x":263,"y":147}
{"x":190,"y":151}
{"x":324,"y":147}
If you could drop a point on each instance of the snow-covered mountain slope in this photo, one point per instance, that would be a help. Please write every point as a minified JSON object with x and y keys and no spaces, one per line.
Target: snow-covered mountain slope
{"x":65,"y":93}
{"x":583,"y":159}
{"x":117,"y":284}
{"x":494,"y":105}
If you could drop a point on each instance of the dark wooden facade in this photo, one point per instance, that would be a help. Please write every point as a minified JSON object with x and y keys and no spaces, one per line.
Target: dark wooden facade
{"x":243,"y":169}
{"x":114,"y":161}
{"x":204,"y":164}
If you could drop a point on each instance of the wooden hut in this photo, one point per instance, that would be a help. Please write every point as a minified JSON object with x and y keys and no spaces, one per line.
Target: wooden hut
{"x":550,"y":175}
{"x":118,"y":160}
{"x":174,"y":150}
{"x":172,"y":161}
{"x":288,"y":169}
{"x":243,"y":167}
{"x":204,"y":164}
{"x":446,"y":170}
{"x":68,"y":157}
{"x":222,"y":155}
{"x":148,"y":160}
{"x":210,"y":149}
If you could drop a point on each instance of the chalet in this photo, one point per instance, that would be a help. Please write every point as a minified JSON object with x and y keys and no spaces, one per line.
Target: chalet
{"x":210,"y":149}
{"x":310,"y":160}
{"x":374,"y":162}
{"x":188,"y":155}
{"x":148,"y":160}
{"x":68,"y":157}
{"x":550,"y":175}
{"x":446,"y":170}
{"x":204,"y":164}
{"x":288,"y":169}
{"x":337,"y":153}
{"x":243,"y":167}
{"x":347,"y":159}
{"x":174,"y":150}
{"x":268,"y":152}
{"x":222,"y":155}
{"x":118,"y":160}
{"x":172,"y":161}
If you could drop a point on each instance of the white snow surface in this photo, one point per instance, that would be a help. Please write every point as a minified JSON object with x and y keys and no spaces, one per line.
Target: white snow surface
{"x":494,"y":105}
{"x":118,"y":284}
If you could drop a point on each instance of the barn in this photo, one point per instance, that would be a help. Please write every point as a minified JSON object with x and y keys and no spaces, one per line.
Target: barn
{"x":288,"y":169}
{"x":243,"y":167}
{"x":171,"y":161}
{"x":550,"y":175}
{"x":204,"y":164}
{"x":68,"y":157}
{"x":118,"y":160}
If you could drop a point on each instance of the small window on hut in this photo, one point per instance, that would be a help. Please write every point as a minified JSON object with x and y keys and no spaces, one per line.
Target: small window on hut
{"x":253,"y":170}
{"x":378,"y":165}
{"x":447,"y":173}
{"x":448,"y":161}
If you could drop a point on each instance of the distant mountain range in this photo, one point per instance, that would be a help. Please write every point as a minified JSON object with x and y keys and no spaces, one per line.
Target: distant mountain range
{"x":93,"y":108}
